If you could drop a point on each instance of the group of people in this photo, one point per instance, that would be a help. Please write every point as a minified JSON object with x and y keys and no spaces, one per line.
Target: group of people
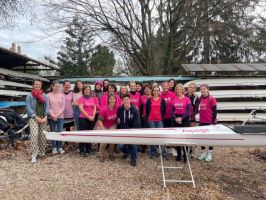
{"x":135,"y":105}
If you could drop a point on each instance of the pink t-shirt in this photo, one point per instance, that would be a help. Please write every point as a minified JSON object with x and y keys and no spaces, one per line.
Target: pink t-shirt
{"x":88,"y":106}
{"x":68,"y":113}
{"x":168,"y":97}
{"x":108,"y":116}
{"x":56,"y":104}
{"x":104,"y":101}
{"x":155,"y":113}
{"x":205,"y":108}
{"x":76,"y":97}
{"x":180,"y":105}
{"x":135,"y":99}
{"x":143,"y":101}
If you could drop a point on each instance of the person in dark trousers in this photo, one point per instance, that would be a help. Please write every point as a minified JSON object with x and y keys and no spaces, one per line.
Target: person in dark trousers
{"x":128,"y":117}
{"x":181,"y":107}
{"x":194,"y":99}
{"x":87,"y":106}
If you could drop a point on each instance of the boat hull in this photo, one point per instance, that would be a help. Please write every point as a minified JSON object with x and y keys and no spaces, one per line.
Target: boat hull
{"x":214,"y":135}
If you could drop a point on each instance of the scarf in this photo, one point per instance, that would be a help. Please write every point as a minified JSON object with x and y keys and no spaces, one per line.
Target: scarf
{"x":38,"y":95}
{"x":86,"y":96}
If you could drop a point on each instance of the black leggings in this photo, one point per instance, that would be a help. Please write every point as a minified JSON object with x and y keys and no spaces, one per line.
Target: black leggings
{"x":185,"y":123}
{"x":205,"y":124}
{"x":85,"y":124}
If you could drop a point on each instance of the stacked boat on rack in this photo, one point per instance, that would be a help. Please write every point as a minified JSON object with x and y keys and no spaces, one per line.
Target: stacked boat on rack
{"x":238,"y":99}
{"x":14,"y":87}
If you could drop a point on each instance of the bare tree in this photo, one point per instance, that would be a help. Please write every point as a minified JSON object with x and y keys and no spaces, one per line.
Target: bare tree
{"x":157,"y":35}
{"x":12,"y":9}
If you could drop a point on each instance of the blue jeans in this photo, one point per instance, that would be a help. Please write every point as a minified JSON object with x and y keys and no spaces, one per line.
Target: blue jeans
{"x":129,"y":148}
{"x":153,"y":124}
{"x":76,"y":116}
{"x":56,"y":126}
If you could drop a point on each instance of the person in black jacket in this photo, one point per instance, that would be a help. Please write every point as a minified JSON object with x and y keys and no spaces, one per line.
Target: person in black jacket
{"x":128,"y":117}
{"x":155,"y":111}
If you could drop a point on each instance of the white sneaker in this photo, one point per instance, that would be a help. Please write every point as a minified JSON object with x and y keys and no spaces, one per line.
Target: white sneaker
{"x":202,"y":156}
{"x":208,"y":158}
{"x":42,"y":154}
{"x":54,"y":151}
{"x":61,"y":151}
{"x":33,"y":159}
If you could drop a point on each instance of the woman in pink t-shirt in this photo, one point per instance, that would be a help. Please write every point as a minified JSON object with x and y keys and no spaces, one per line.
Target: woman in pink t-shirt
{"x":111,"y":89}
{"x":181,"y":107}
{"x":76,"y":95}
{"x":143,"y":100}
{"x":56,"y":114}
{"x":155,"y":110}
{"x":208,"y":116}
{"x":168,"y":97}
{"x":87,"y":107}
{"x":134,"y":95}
{"x":107,"y":120}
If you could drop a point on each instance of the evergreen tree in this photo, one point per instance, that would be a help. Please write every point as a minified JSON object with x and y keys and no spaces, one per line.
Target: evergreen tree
{"x":102,"y":61}
{"x":75,"y":54}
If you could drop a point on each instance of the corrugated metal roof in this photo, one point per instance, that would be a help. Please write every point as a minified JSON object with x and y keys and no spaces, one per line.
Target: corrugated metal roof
{"x":10,"y":59}
{"x":131,"y":78}
{"x":246,"y":67}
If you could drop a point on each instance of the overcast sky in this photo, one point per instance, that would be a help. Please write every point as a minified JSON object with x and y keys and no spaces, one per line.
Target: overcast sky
{"x":30,"y":36}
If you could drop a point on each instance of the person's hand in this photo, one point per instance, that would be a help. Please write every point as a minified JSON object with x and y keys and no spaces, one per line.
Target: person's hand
{"x":44,"y":120}
{"x":55,"y":118}
{"x":178,"y":120}
{"x":39,"y":120}
{"x":118,"y":121}
{"x":91,"y":118}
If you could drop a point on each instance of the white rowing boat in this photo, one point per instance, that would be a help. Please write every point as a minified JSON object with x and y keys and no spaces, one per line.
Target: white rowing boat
{"x":21,"y":75}
{"x":225,"y":82}
{"x":13,"y":93}
{"x":239,"y":117}
{"x":248,"y":105}
{"x":218,"y":94}
{"x":215,"y":135}
{"x":4,"y":83}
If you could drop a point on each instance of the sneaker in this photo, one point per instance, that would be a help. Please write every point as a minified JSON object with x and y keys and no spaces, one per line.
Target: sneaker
{"x":202,"y":156}
{"x":133,"y":163}
{"x":125,"y":156}
{"x":42,"y":154}
{"x":33,"y":159}
{"x":61,"y":151}
{"x":111,"y":157}
{"x":178,"y":158}
{"x":208,"y":158}
{"x":54,"y":151}
{"x":165,"y":158}
{"x":101,"y":158}
{"x":83,"y":154}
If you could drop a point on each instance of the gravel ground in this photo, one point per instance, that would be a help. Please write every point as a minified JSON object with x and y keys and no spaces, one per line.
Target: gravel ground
{"x":235,"y":173}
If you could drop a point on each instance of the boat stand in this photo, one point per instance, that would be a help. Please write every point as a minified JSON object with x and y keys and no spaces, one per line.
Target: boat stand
{"x":177,"y":167}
